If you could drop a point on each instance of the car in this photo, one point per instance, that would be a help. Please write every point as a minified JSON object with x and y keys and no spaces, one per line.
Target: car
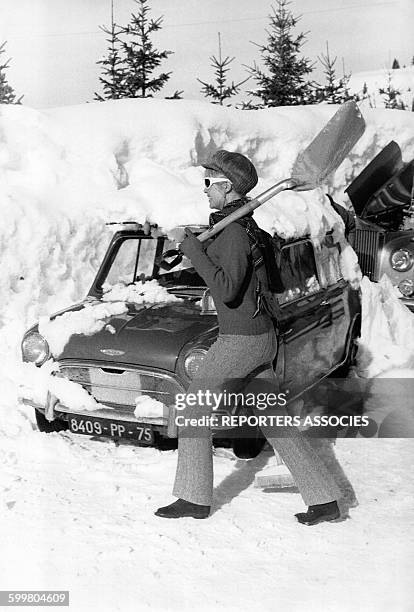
{"x":155,"y":350}
{"x":383,"y":199}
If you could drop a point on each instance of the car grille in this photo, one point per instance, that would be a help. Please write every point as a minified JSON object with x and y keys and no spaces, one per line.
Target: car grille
{"x":118,"y":387}
{"x":368,"y":244}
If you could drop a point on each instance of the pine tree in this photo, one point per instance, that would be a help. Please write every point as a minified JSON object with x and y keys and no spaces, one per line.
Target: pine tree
{"x":113,"y":79}
{"x":221,"y":90}
{"x":7,"y":95}
{"x":391,"y":95}
{"x":335,"y":90}
{"x":250,"y":105}
{"x":364,"y":95}
{"x":141,"y":58}
{"x":285,"y":83}
{"x":395,"y":64}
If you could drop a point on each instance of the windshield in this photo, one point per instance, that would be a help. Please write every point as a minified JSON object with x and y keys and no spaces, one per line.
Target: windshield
{"x":137,"y":259}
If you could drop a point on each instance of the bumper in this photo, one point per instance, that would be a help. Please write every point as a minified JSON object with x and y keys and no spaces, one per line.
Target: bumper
{"x":53,"y":409}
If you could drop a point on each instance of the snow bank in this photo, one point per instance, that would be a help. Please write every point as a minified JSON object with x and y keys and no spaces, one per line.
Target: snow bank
{"x":65,"y":172}
{"x":387,"y":330}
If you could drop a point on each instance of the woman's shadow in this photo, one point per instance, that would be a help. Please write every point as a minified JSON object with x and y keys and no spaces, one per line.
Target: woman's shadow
{"x":245,"y":471}
{"x":240,"y":479}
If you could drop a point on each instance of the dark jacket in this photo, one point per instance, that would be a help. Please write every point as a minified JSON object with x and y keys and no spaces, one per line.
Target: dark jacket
{"x":226,"y":265}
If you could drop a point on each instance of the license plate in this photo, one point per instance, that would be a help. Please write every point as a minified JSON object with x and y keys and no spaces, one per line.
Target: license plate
{"x":113,"y":429}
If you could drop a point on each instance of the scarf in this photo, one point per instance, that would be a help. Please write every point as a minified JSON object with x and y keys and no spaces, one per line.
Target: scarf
{"x":253,"y":231}
{"x":265,"y":252}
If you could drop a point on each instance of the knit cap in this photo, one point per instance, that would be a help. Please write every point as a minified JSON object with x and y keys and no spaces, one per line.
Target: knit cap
{"x":236,"y":167}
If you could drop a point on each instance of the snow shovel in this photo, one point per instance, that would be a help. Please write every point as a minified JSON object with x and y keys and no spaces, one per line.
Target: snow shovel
{"x":321,"y":157}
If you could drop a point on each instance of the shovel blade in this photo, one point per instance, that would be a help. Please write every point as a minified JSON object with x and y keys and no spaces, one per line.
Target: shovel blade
{"x":329,"y":148}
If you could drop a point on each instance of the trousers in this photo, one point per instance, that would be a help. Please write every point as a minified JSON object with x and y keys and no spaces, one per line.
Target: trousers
{"x":235,"y":357}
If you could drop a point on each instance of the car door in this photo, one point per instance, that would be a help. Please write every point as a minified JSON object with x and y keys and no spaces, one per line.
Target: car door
{"x":306,"y":322}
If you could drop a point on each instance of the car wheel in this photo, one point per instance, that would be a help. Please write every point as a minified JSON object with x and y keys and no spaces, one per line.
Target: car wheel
{"x":163,"y":443}
{"x":248,"y":448}
{"x":49,"y":426}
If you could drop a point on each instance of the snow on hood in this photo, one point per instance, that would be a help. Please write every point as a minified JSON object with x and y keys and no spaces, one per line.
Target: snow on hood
{"x":92,"y":317}
{"x":147,"y":292}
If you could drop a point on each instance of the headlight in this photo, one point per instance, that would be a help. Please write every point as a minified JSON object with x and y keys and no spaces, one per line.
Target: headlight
{"x":406,"y":287}
{"x":401,"y":260}
{"x":193,"y":361}
{"x":35,"y":348}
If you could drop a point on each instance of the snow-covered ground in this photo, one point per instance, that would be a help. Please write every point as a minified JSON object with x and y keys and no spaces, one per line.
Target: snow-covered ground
{"x":76,"y":513}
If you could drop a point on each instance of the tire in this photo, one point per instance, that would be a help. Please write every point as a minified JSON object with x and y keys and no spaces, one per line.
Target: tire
{"x":49,"y":426}
{"x":163,"y":443}
{"x":248,"y":448}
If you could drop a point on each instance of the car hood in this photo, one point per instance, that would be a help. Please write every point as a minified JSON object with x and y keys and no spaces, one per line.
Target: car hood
{"x":383,"y":187}
{"x":149,"y":336}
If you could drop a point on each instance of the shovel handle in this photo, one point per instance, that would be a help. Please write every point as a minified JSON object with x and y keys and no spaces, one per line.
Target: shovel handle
{"x":237,"y":214}
{"x":248,"y":207}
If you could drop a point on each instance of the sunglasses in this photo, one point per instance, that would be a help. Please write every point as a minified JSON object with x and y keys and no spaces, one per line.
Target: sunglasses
{"x":210,"y":181}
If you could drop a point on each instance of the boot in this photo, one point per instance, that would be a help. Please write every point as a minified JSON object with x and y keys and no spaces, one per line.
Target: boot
{"x":319,"y":513}
{"x":181,"y":508}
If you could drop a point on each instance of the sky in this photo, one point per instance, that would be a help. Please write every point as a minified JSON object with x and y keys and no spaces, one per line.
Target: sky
{"x":54,"y":44}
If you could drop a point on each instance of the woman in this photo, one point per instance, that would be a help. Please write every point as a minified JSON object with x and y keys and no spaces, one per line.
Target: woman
{"x":245,"y":342}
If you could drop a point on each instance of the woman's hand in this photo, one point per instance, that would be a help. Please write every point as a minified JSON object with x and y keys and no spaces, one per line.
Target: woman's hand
{"x":190,"y":243}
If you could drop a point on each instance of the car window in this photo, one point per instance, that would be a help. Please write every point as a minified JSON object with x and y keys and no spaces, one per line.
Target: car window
{"x":133,"y":261}
{"x":138,"y":259}
{"x":297,"y":272}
